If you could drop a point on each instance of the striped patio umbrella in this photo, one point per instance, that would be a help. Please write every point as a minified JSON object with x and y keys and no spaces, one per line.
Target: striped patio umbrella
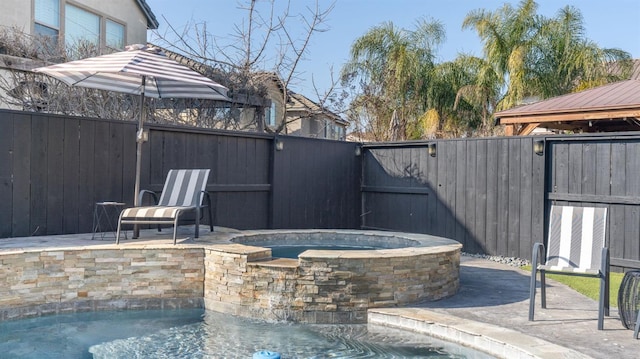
{"x":140,"y":70}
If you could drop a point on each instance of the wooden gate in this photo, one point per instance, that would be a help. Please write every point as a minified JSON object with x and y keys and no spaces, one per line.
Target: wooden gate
{"x":603,"y":172}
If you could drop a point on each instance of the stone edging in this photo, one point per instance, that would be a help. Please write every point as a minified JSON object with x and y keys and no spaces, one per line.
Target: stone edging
{"x":497,"y":341}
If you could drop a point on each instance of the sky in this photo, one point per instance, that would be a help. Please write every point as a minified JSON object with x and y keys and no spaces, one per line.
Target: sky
{"x":609,"y":23}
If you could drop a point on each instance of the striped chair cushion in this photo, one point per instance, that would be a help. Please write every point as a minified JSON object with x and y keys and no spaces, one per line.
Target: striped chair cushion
{"x":182,"y":187}
{"x":576,"y":239}
{"x":154,"y":212}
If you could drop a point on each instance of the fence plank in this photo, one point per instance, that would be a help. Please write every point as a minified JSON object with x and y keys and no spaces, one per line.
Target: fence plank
{"x":525,"y":210}
{"x":491,"y":238}
{"x":55,"y":182}
{"x":481,"y":175}
{"x":21,"y":175}
{"x":86,"y":175}
{"x":38,"y":174}
{"x":71,"y":176}
{"x":6,"y":175}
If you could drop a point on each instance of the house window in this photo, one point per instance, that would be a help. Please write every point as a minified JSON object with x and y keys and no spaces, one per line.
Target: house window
{"x":341,"y":135}
{"x":271,"y":115}
{"x":80,"y":25}
{"x":77,"y":24}
{"x":47,"y":18}
{"x":114,"y":33}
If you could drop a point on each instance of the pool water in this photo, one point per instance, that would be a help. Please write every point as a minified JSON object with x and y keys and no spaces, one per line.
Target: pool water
{"x":294,"y":251}
{"x":195,"y":333}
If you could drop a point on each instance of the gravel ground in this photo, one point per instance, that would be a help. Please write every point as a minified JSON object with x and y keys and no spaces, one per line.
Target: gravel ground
{"x":512,"y":261}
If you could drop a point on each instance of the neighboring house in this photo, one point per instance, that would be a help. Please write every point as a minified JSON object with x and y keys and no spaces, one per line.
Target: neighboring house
{"x":308,"y":119}
{"x":112,"y":23}
{"x":303,"y":117}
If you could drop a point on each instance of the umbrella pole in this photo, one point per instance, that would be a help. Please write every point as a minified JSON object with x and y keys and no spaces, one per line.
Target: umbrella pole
{"x":139,"y":140}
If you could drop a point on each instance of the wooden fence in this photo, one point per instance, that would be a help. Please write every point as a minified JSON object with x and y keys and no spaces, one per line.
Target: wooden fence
{"x":491,"y":195}
{"x":53,"y":169}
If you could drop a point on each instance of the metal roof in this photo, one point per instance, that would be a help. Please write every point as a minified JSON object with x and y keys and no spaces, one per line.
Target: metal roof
{"x":612,"y":107}
{"x":617,"y":95}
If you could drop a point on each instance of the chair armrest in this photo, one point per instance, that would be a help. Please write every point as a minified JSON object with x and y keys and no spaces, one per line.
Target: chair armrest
{"x":207,"y":199}
{"x":538,"y":255}
{"x":143,"y":192}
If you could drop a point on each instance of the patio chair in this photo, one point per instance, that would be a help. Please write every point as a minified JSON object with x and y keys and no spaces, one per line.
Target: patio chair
{"x":183,"y":193}
{"x":576,"y":246}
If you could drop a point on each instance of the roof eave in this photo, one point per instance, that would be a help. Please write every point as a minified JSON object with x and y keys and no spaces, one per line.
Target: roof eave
{"x":152,"y":21}
{"x":591,"y":114}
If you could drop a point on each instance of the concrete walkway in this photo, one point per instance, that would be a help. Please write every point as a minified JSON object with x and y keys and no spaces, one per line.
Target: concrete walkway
{"x":491,"y":296}
{"x":498,"y":295}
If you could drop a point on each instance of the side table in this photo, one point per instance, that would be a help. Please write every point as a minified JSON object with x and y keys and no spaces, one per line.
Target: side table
{"x":105,"y":218}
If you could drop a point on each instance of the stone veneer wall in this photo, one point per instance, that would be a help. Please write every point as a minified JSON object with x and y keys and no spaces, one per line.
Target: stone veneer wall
{"x":330,"y":288}
{"x":48,"y":282}
{"x":318,"y":287}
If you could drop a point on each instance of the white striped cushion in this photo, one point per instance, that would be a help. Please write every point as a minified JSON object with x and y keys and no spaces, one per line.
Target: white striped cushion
{"x":156,"y":212}
{"x":182,"y":187}
{"x":576,"y":239}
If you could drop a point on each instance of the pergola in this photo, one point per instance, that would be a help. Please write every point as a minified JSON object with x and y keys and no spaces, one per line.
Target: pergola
{"x":608,"y":108}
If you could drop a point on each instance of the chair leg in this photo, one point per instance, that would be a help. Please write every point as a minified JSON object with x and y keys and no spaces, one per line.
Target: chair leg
{"x":209,"y":209}
{"x":118,"y":230}
{"x":532,"y":292}
{"x":197,"y":234}
{"x":175,"y":228}
{"x":543,"y":290}
{"x":601,"y":303}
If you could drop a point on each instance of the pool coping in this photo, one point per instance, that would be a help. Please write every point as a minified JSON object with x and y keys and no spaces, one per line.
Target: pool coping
{"x":493,"y":340}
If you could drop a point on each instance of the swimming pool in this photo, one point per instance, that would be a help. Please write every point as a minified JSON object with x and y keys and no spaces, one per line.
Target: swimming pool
{"x":196,"y":333}
{"x":293,"y":251}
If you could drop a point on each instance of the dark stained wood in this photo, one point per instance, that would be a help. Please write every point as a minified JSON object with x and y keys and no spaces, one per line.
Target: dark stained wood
{"x":525,"y":209}
{"x":539,"y":185}
{"x":55,"y":184}
{"x":471,"y":194}
{"x":38,"y":163}
{"x":602,"y":172}
{"x":632,"y":213}
{"x":86,"y":175}
{"x":480,"y":196}
{"x":514,"y":203}
{"x":461,"y":177}
{"x":491,"y":194}
{"x":502,"y":173}
{"x":492,"y":215}
{"x":6,"y":174}
{"x":617,"y":212}
{"x":71,"y":176}
{"x":21,"y":175}
{"x":447,"y":151}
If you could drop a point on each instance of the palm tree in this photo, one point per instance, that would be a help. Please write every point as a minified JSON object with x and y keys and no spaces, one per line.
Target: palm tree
{"x":479,"y":92}
{"x":391,"y":67}
{"x":565,"y":61}
{"x":540,"y":57}
{"x":508,"y":35}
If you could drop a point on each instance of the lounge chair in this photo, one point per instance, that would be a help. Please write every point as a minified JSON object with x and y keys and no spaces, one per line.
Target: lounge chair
{"x":183,"y":193}
{"x":576,"y":246}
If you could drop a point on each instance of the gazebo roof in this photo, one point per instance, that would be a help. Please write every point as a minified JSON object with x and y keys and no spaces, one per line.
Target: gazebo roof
{"x":612,"y":107}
